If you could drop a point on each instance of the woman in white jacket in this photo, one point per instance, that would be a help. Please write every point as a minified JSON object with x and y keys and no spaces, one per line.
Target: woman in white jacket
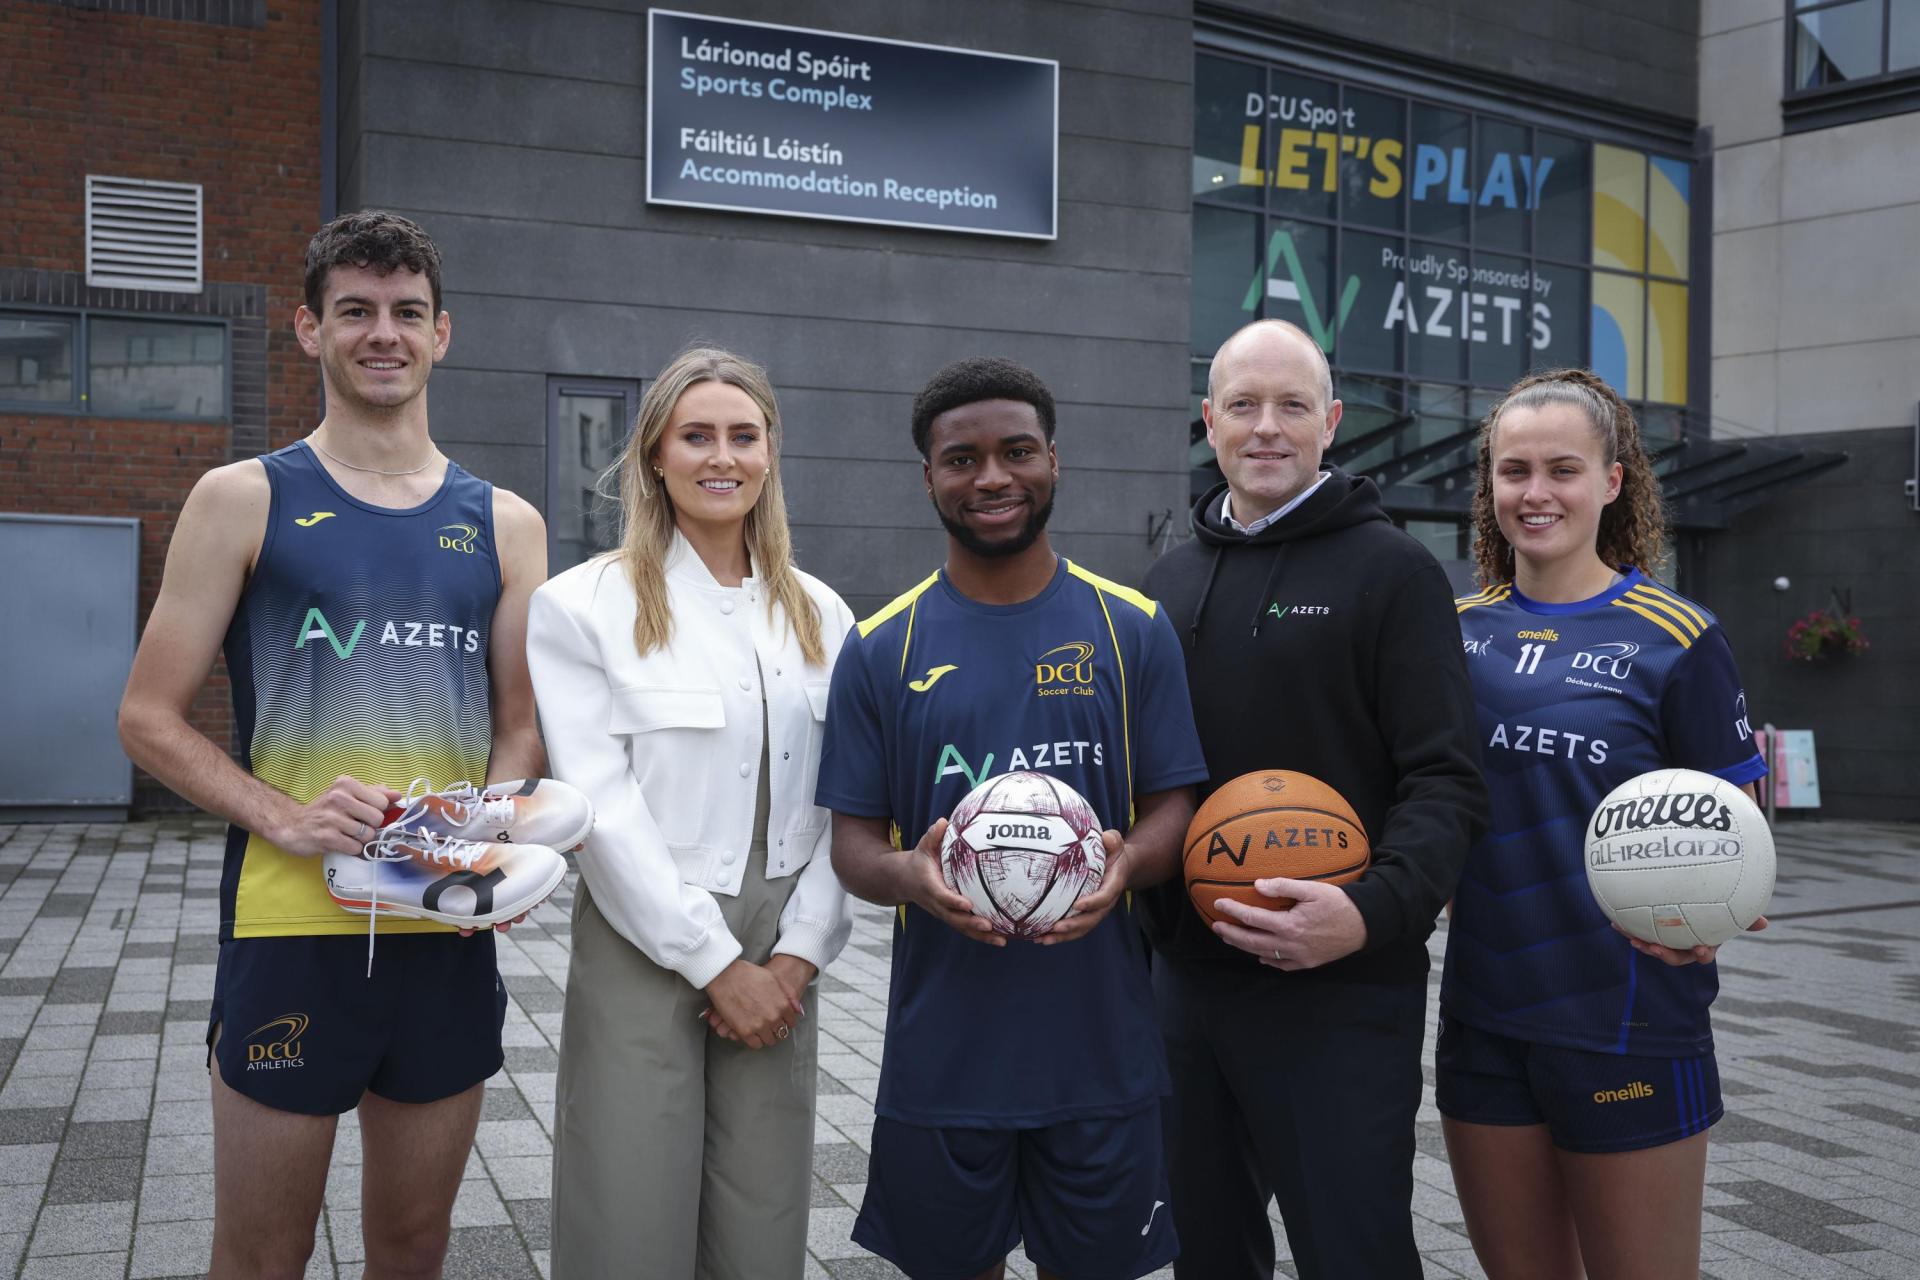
{"x":682,"y":682}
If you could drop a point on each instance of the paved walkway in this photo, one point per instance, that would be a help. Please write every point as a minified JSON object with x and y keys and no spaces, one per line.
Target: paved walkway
{"x":108,"y":942}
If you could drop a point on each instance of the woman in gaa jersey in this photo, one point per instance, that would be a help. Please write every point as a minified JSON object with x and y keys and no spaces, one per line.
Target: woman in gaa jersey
{"x":1576,"y":1076}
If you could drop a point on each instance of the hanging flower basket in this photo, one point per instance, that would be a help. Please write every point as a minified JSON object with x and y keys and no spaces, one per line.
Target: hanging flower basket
{"x":1824,"y":634}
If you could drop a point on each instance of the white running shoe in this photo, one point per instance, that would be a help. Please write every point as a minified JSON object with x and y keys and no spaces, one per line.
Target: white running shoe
{"x":469,"y":884}
{"x":533,"y":811}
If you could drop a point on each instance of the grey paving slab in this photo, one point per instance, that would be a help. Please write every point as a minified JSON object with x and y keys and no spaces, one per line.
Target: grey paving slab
{"x":109,"y":938}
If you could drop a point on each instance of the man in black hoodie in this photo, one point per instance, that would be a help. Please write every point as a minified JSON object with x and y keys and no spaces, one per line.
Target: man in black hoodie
{"x":1321,"y":639}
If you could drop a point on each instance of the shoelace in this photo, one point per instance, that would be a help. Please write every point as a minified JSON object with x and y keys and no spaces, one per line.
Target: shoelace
{"x":396,"y":844}
{"x":461,"y":799}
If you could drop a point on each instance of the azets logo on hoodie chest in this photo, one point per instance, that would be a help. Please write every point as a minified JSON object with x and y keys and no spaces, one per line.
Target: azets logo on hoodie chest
{"x":1278,"y":610}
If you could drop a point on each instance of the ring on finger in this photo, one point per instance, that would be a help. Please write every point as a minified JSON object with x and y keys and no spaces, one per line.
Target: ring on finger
{"x":781,"y":1032}
{"x":1277,"y":955}
{"x":362,"y":831}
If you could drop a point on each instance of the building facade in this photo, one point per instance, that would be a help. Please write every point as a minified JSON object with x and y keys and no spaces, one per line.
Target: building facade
{"x":1445,"y":194}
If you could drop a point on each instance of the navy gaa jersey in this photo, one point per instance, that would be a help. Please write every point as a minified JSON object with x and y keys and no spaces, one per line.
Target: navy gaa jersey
{"x":936,"y":693}
{"x":1575,"y":699}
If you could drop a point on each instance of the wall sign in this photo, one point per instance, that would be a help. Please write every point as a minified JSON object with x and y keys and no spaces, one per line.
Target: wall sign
{"x":759,"y":118}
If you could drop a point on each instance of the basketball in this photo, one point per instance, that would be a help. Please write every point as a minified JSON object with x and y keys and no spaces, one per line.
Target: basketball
{"x":1680,"y":858}
{"x":1271,"y":823}
{"x":1023,"y":848}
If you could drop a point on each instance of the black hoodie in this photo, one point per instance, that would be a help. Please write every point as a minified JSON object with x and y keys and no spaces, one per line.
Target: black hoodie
{"x":1327,"y":643}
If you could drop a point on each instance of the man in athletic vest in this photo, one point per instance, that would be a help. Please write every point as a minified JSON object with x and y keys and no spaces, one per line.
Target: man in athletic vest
{"x":371,"y":597}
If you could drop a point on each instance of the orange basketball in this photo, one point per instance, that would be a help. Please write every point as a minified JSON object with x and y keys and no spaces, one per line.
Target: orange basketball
{"x":1271,"y":823}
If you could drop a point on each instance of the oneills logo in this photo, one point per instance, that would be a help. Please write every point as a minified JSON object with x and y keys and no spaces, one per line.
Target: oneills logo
{"x":458,"y":537}
{"x":1632,"y":1093}
{"x":277,"y":1051}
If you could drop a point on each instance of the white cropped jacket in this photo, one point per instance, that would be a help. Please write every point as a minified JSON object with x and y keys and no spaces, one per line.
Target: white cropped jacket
{"x":667,"y":746}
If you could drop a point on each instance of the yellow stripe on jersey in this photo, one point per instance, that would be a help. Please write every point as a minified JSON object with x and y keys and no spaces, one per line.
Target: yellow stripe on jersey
{"x":1665,"y":604}
{"x":1126,"y":721}
{"x":1683,"y":605}
{"x":1143,"y":603}
{"x":1492,"y":595}
{"x":904,"y":600}
{"x":1625,"y":602}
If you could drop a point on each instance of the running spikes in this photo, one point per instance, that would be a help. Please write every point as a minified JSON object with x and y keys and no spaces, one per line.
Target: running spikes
{"x":534,"y":811}
{"x":470,"y":884}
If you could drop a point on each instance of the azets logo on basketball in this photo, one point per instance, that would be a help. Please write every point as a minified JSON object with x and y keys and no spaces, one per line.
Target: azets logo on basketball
{"x":280,"y":1051}
{"x":1632,"y":1093}
{"x":1291,"y":838}
{"x":1065,"y":668}
{"x":461,"y":539}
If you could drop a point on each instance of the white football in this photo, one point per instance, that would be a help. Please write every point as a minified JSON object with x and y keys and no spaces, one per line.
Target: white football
{"x":1023,"y":848}
{"x":1680,"y":858}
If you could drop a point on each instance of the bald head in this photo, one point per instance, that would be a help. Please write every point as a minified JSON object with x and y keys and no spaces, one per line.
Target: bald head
{"x":1260,"y":334}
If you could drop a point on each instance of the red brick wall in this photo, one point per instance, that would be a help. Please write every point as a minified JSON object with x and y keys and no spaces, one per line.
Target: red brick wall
{"x":233,"y":109}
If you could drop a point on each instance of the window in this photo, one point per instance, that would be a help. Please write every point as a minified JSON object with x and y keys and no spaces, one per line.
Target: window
{"x":587,"y":424}
{"x":1850,"y":60}
{"x":1436,"y":253}
{"x":114,"y":365}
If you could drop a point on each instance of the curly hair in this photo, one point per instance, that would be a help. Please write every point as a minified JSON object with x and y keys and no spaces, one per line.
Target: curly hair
{"x":374,"y":239}
{"x":1633,"y":527}
{"x":970,"y":381}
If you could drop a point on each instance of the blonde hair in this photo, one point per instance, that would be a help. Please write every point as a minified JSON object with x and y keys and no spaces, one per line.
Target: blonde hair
{"x":1633,"y":527}
{"x":647,"y":516}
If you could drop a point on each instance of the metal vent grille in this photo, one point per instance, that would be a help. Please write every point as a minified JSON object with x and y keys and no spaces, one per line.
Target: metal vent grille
{"x":143,"y":235}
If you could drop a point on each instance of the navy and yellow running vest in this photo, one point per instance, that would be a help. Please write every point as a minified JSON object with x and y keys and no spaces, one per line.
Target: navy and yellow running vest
{"x":359,"y":648}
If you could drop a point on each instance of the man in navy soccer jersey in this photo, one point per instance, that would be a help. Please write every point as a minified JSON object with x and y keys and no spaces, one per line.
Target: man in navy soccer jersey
{"x":1020,"y":1087}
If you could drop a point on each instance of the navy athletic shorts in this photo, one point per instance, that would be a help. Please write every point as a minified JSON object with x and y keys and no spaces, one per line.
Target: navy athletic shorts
{"x":1590,"y":1102}
{"x":302,"y":1027}
{"x":1089,"y":1197}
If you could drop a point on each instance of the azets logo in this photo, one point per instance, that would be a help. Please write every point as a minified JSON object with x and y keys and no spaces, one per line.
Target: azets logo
{"x":1065,"y":668}
{"x":1613,"y":661}
{"x":458,"y":537}
{"x":406,"y":635}
{"x":277,"y":1051}
{"x":1041,"y":755}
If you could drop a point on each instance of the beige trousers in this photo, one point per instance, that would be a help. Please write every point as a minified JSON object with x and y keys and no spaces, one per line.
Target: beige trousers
{"x":678,"y":1155}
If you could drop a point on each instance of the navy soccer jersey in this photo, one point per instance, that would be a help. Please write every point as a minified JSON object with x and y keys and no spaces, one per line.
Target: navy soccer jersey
{"x":936,"y":693}
{"x":1575,"y":699}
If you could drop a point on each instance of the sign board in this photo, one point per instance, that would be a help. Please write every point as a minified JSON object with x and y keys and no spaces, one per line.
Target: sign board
{"x":1792,"y":770}
{"x":760,"y":118}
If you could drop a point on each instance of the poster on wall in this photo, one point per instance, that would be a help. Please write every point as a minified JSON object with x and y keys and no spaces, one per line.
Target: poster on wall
{"x":759,"y":118}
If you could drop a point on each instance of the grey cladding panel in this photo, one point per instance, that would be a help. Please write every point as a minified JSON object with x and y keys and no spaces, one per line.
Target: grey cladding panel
{"x":491,"y":257}
{"x":542,"y":336}
{"x":514,"y":36}
{"x":482,"y":105}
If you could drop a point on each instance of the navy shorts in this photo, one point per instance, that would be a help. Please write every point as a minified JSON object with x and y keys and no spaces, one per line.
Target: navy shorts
{"x":1089,"y":1197}
{"x":1590,"y":1102}
{"x":302,"y":1027}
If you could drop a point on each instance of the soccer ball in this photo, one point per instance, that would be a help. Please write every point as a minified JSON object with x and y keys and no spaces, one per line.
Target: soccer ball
{"x":1023,"y":848}
{"x":1680,"y":858}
